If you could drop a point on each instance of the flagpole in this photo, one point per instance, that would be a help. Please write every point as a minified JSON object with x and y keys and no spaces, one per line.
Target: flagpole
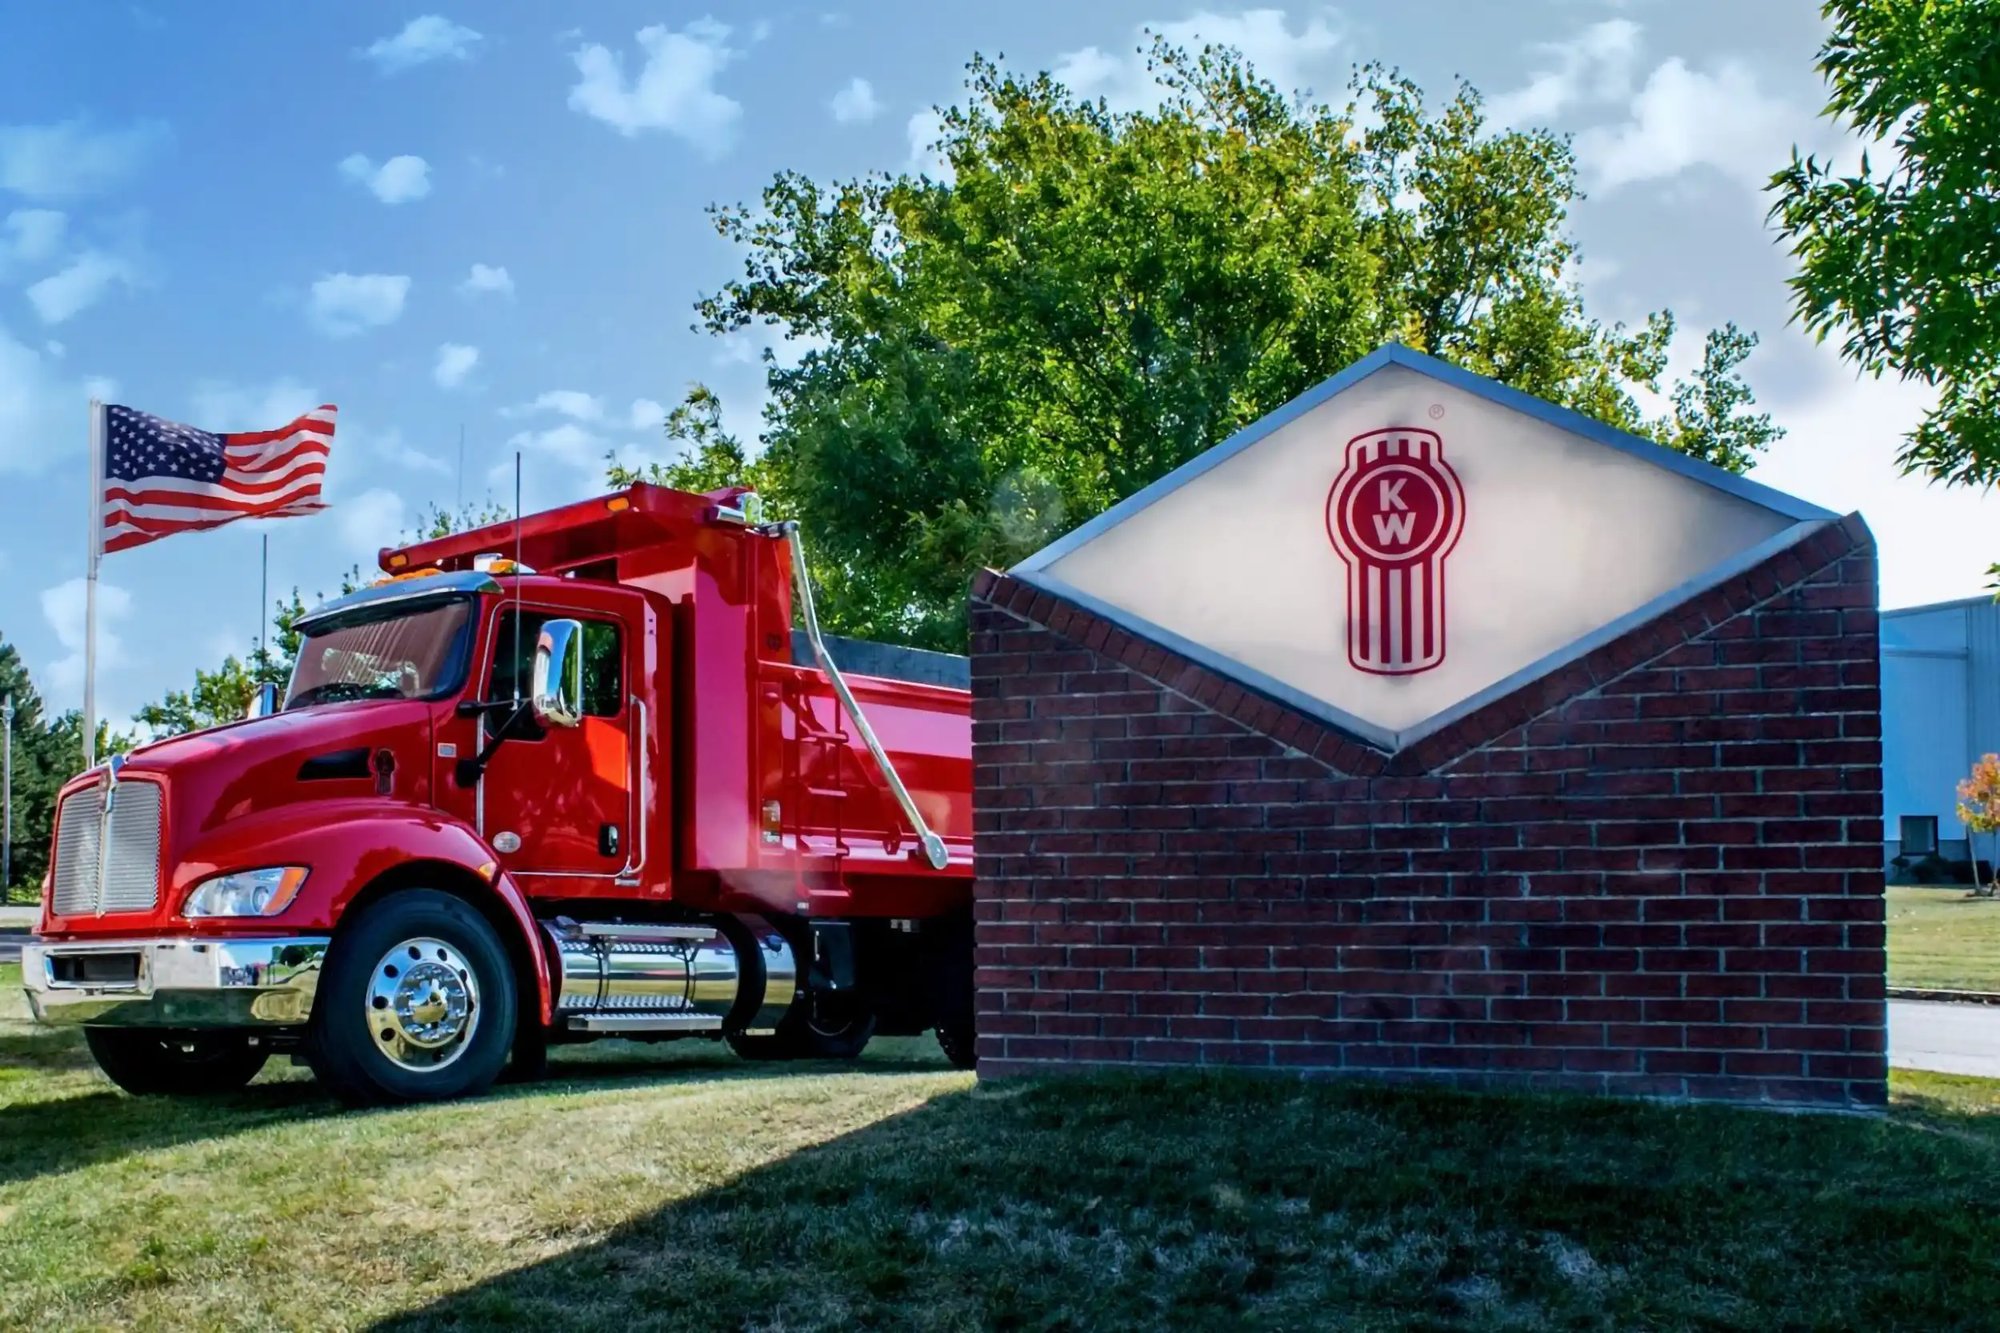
{"x":95,"y":553}
{"x":263,"y":597}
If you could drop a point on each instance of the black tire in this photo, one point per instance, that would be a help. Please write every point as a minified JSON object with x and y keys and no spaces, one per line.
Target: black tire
{"x":819,"y":1027}
{"x":530,"y":1061}
{"x":959,"y":1044}
{"x":368,"y":1061}
{"x":175,"y":1064}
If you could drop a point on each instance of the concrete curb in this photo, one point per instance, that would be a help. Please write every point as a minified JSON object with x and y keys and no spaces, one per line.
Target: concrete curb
{"x":1945,"y":996}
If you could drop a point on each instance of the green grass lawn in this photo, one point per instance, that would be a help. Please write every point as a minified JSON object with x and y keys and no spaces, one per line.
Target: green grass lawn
{"x":681,"y":1189}
{"x":1943,"y":939}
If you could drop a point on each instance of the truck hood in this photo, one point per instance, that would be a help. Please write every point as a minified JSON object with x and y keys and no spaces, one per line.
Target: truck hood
{"x":334,"y":751}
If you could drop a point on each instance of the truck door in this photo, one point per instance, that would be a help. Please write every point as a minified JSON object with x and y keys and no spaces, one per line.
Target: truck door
{"x":558,"y":804}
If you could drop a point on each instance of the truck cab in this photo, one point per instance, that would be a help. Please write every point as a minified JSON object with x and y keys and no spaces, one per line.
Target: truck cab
{"x":569,"y":776}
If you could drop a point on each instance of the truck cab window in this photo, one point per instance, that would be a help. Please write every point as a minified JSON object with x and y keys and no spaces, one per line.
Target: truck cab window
{"x":603,"y":673}
{"x":385,"y":652}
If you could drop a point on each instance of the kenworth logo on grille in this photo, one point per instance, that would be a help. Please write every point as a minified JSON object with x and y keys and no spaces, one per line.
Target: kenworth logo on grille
{"x":1394,"y":514}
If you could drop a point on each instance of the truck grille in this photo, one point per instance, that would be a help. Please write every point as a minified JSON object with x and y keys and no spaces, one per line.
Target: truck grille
{"x":130,"y":869}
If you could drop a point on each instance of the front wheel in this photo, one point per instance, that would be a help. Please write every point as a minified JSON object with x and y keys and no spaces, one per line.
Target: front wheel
{"x":187,"y":1064}
{"x":416,"y":1004}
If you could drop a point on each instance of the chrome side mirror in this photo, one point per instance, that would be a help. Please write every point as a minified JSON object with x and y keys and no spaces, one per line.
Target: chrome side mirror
{"x":556,"y":694}
{"x":264,"y":702}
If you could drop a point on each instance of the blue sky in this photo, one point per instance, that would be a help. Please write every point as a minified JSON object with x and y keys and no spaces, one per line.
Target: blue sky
{"x":492,"y":217}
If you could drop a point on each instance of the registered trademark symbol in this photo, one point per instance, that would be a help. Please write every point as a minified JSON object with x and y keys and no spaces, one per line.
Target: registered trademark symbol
{"x":1437,"y":411}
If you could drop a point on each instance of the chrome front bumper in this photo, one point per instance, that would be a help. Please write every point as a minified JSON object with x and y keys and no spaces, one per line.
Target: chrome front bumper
{"x":177,"y":983}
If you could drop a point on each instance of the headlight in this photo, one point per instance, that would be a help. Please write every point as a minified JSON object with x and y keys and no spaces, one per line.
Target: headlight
{"x":246,"y":892}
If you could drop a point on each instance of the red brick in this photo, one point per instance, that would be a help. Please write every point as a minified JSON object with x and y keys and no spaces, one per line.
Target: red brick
{"x":1675,"y":841}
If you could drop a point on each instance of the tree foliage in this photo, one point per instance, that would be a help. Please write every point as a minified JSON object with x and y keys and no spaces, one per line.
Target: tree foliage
{"x":1979,"y":810}
{"x":1090,"y":298}
{"x":47,"y":752}
{"x":1902,"y":263}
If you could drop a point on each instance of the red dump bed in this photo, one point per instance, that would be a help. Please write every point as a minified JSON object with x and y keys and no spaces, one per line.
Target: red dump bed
{"x":757,"y":778}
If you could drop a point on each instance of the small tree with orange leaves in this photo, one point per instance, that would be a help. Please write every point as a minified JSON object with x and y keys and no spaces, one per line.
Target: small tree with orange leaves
{"x":1979,"y":808}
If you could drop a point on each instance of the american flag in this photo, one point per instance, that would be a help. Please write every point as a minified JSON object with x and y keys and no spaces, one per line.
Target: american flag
{"x":161,"y":477}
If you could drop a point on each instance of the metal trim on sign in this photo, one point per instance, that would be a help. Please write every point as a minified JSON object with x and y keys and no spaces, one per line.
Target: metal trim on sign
{"x":1395,"y":354}
{"x":1381,"y":737}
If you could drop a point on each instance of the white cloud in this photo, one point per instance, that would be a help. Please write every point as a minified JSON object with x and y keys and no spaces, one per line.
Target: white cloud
{"x":367,"y":522}
{"x":1596,"y":66}
{"x":390,"y":447}
{"x":856,"y":103}
{"x":80,"y":285}
{"x":1276,"y":52}
{"x":568,"y":444}
{"x":63,"y":608}
{"x":1686,"y":118}
{"x":1843,"y":434}
{"x":342,"y":304}
{"x":71,"y":159}
{"x":42,"y":417}
{"x":31,"y":236}
{"x":397,"y":181}
{"x":647,"y":414}
{"x":454,"y":362}
{"x":923,"y":130}
{"x":220,"y":405}
{"x":674,"y":89}
{"x":422,"y":40}
{"x":487,"y":278}
{"x":572,"y":403}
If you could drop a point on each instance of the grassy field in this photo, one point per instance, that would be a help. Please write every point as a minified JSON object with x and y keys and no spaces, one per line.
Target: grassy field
{"x":689,"y":1191}
{"x":1942,"y":939}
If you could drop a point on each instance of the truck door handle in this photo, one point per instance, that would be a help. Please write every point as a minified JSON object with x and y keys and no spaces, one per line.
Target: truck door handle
{"x":607,"y":840}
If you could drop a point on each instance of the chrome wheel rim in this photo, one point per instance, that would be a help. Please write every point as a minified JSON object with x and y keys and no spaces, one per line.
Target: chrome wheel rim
{"x":422,"y":1005}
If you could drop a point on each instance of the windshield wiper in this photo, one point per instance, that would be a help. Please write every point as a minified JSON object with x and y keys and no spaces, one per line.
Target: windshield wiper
{"x":340,"y":691}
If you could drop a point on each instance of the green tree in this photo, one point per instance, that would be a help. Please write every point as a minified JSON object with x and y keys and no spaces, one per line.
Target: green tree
{"x":48,"y":751}
{"x":707,"y":457}
{"x":1979,"y":810}
{"x":1903,"y":263}
{"x":1091,"y":298}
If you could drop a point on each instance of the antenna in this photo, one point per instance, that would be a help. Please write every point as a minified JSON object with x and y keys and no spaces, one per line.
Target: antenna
{"x":517,"y":577}
{"x":458,"y":497}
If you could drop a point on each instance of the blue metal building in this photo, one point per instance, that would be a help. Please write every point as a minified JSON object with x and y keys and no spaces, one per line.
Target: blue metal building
{"x":1940,"y":713}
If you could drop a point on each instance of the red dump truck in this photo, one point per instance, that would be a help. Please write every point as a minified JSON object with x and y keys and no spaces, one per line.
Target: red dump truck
{"x":570,"y":777}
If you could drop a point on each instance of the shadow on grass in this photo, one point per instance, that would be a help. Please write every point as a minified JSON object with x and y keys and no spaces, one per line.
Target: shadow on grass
{"x":48,"y":1135}
{"x":1191,"y":1202}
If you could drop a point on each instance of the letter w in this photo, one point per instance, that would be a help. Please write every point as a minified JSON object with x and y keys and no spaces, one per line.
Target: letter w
{"x":1394,"y":529}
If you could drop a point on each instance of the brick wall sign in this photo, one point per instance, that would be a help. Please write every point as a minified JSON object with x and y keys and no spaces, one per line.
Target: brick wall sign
{"x":1423,"y":729}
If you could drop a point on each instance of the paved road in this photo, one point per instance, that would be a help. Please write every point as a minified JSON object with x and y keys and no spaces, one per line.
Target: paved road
{"x":1945,"y":1038}
{"x":10,"y":946}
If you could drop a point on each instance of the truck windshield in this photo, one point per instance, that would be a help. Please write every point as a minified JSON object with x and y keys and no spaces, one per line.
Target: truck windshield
{"x":386,"y":652}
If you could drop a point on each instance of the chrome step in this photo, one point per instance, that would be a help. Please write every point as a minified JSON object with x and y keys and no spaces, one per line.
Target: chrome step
{"x":637,"y":932}
{"x":679,"y":1022}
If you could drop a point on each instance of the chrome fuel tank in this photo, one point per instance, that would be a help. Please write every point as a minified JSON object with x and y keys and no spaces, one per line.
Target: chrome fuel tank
{"x":693,"y":977}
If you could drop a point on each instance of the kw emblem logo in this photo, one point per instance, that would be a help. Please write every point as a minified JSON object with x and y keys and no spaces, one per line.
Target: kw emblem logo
{"x":1394,"y":514}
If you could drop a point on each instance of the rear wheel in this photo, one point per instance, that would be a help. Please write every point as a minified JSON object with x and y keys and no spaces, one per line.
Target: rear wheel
{"x":819,"y":1027}
{"x":183,"y":1064}
{"x":959,"y":1044}
{"x":417,"y":1003}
